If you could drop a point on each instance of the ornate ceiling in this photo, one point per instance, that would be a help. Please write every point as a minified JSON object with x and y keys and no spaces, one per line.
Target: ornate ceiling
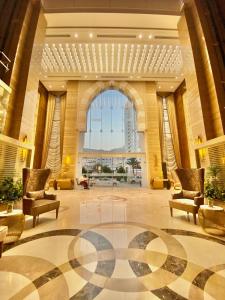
{"x":96,"y":46}
{"x":112,"y":60}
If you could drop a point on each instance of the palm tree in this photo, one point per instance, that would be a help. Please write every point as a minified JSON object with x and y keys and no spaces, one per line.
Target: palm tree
{"x":133,"y":162}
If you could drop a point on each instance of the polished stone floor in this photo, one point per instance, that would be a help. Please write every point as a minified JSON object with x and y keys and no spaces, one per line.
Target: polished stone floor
{"x":114,"y":244}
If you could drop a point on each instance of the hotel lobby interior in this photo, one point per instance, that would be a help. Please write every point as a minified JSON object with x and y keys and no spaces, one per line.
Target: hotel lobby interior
{"x":112,"y":149}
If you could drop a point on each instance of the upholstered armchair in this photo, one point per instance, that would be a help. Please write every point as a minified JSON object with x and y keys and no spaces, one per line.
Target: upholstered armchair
{"x":191,"y":196}
{"x":35,"y":200}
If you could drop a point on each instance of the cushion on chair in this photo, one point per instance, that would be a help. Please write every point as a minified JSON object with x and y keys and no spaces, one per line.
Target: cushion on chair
{"x":184,"y":201}
{"x":36,"y":194}
{"x":44,"y":202}
{"x":190,"y":194}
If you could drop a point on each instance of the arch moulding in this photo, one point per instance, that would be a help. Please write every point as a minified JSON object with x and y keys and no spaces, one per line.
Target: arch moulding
{"x":101,"y":86}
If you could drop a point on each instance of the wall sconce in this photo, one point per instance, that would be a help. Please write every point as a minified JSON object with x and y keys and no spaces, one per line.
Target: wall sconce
{"x":202,"y":151}
{"x":67,"y":160}
{"x":223,"y":160}
{"x":66,"y":165}
{"x":24,"y":152}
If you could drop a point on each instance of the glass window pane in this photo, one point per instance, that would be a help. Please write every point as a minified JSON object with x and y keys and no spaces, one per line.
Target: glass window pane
{"x":111,"y":124}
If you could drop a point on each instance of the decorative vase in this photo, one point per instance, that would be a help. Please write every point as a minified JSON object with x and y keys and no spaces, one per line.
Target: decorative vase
{"x":10,"y":207}
{"x":210,"y":202}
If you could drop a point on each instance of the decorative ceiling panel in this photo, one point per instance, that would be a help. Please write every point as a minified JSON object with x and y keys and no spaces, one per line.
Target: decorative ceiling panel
{"x":84,"y":59}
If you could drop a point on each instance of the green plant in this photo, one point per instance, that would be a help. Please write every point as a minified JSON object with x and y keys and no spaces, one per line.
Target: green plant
{"x":213,"y":171}
{"x":211,"y":191}
{"x":10,"y":190}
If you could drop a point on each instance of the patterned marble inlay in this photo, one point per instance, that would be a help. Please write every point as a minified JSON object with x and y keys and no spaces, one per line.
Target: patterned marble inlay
{"x":168,"y":294}
{"x":175,"y":265}
{"x":154,"y":270}
{"x":89,"y":292}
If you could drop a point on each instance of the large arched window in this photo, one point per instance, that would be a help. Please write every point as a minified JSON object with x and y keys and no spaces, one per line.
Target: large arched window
{"x":111,"y":124}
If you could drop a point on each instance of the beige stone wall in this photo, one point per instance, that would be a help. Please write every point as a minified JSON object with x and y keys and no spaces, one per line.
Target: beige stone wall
{"x":192,"y":101}
{"x":71,"y":133}
{"x":152,"y":138}
{"x":30,"y":109}
{"x":79,"y":97}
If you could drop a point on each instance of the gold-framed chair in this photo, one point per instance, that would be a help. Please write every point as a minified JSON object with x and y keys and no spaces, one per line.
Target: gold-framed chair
{"x":35,"y":200}
{"x":191,"y":196}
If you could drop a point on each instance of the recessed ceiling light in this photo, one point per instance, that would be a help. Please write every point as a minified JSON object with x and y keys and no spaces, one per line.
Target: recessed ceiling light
{"x":45,"y":76}
{"x":140,"y":36}
{"x":85,"y":76}
{"x":50,"y":86}
{"x":150,"y":36}
{"x":172,"y":87}
{"x":96,"y":76}
{"x":63,"y":86}
{"x":159,"y":87}
{"x":91,"y":35}
{"x":76,"y":35}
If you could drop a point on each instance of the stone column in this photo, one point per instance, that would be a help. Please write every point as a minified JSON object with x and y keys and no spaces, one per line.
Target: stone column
{"x":199,"y":77}
{"x":21,"y":65}
{"x":71,"y":133}
{"x":152,"y":138}
{"x":31,"y":101}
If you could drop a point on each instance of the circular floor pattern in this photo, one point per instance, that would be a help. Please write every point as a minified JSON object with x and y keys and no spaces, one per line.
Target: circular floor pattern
{"x":156,"y":261}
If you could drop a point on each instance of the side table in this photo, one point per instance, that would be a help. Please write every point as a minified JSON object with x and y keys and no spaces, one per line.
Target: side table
{"x":212,"y":219}
{"x":15,"y":221}
{"x":3,"y":232}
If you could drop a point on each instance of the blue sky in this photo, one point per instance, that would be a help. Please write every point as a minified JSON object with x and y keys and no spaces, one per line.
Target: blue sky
{"x":109,"y":119}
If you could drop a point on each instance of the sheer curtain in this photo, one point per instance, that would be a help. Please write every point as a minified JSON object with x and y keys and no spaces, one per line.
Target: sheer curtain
{"x":54,"y":156}
{"x":48,"y":128}
{"x":62,"y":122}
{"x":173,"y":128}
{"x":160,"y":111}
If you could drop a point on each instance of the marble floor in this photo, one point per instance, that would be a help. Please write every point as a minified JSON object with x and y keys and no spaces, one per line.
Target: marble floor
{"x":114,"y":244}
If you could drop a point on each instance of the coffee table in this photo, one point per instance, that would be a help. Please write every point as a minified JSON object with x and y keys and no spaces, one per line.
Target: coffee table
{"x":15,"y":222}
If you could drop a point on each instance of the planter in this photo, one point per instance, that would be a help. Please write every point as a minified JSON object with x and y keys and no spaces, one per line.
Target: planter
{"x":10,"y":207}
{"x":210,"y":202}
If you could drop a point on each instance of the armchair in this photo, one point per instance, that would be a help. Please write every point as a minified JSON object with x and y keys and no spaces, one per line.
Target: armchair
{"x":191,"y":196}
{"x":35,"y":200}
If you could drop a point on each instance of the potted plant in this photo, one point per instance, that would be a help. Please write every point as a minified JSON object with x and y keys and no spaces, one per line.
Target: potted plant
{"x":10,"y":191}
{"x":212,"y":192}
